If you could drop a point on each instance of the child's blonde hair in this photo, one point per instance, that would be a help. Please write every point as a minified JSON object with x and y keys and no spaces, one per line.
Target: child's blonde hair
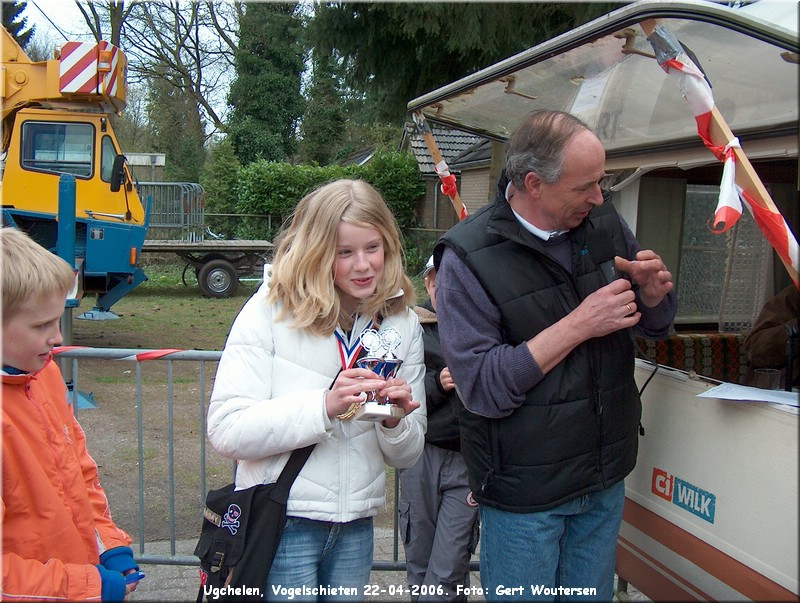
{"x":30,"y":272}
{"x":302,"y":271}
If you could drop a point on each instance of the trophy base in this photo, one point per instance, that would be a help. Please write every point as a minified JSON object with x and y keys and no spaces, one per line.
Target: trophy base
{"x":372,"y":411}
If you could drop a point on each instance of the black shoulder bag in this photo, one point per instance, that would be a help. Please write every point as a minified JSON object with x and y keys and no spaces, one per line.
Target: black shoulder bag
{"x":241,"y":533}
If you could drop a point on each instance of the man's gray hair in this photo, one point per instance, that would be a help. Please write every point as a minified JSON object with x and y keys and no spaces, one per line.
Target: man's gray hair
{"x":538,"y":143}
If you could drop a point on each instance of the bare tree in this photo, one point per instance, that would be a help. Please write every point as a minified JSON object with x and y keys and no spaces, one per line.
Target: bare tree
{"x":111,"y":12}
{"x":195,"y":41}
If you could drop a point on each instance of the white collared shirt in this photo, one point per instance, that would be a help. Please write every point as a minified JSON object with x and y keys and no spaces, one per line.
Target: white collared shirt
{"x":545,"y":235}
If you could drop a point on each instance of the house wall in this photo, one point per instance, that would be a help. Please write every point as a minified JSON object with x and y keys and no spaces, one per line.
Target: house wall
{"x":476,"y":188}
{"x":148,"y":173}
{"x":434,"y":210}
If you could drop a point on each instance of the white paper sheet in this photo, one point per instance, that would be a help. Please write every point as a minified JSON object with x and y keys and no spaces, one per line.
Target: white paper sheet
{"x":731,"y":391}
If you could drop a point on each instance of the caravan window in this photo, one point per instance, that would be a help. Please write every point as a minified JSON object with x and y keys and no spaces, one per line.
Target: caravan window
{"x":724,"y":279}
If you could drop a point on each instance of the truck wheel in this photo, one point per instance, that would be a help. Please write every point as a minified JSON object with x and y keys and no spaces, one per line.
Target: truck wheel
{"x":218,"y":278}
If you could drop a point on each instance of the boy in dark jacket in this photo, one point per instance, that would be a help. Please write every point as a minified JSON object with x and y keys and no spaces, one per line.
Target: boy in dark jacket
{"x":438,"y":516}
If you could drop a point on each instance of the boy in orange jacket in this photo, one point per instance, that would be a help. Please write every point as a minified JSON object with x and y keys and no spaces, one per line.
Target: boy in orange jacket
{"x":59,"y":541}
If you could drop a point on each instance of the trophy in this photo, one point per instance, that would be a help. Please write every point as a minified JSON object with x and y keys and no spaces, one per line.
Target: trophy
{"x":385,"y":364}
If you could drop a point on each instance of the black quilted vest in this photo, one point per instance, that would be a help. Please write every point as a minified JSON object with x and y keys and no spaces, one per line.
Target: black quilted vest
{"x":577,"y":431}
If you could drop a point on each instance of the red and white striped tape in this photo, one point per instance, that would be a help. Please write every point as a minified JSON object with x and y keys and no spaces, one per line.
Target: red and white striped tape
{"x":773,"y":225}
{"x":140,"y":357}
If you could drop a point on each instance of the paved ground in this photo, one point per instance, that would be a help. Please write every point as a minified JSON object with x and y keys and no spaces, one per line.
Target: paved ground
{"x":181,"y":583}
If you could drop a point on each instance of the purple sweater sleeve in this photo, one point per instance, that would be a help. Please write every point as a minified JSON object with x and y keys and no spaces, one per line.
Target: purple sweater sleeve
{"x":492,"y":377}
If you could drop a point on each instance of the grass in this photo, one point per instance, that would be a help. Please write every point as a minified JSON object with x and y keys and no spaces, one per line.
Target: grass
{"x":164,"y":313}
{"x":161,"y":313}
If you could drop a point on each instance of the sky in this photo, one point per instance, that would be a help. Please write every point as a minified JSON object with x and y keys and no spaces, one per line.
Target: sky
{"x":50,"y":16}
{"x":54,"y":17}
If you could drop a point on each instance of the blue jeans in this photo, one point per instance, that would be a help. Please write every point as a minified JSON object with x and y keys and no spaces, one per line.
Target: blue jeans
{"x":322,"y":561}
{"x":570,"y":546}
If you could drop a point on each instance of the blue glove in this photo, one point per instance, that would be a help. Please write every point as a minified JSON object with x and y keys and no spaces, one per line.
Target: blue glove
{"x":119,"y":559}
{"x":113,"y":584}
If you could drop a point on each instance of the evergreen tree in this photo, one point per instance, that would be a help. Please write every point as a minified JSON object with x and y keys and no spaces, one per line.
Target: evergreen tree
{"x":323,"y":127}
{"x":15,"y":23}
{"x":219,"y":178}
{"x":396,"y":51}
{"x":265,"y":97}
{"x":177,"y":129}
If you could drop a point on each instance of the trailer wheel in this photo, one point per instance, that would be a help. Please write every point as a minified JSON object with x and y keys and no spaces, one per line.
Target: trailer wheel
{"x":218,"y":278}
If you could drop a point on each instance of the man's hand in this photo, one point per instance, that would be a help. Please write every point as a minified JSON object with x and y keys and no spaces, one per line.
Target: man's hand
{"x":609,"y":309}
{"x":650,"y":273}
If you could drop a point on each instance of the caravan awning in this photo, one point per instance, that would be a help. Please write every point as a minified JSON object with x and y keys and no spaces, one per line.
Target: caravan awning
{"x":605,"y":73}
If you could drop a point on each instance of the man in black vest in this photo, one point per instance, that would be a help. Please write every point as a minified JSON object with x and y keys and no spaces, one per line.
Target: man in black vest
{"x":537,"y":330}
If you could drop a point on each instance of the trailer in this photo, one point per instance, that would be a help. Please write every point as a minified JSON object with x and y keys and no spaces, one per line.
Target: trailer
{"x":178,"y":226}
{"x":218,"y":263}
{"x":711,"y":509}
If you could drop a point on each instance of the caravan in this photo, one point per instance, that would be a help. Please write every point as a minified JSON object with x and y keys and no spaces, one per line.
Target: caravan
{"x":712,"y":507}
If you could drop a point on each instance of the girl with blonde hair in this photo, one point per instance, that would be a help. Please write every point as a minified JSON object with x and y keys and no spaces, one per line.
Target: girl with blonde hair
{"x":288,"y":378}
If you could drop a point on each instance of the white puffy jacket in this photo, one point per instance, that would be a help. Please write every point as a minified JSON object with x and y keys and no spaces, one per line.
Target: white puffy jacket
{"x":268,"y":399}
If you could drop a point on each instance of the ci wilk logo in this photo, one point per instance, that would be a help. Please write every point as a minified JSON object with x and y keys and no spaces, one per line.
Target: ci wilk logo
{"x":231,"y":518}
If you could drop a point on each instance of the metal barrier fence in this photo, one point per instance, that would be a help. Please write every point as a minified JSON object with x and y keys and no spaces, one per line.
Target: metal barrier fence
{"x":152,"y":386}
{"x":176,"y":211}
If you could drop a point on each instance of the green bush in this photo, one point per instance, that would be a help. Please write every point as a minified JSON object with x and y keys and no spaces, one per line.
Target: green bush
{"x":264,"y":193}
{"x":273,"y":189}
{"x":396,"y":176}
{"x":419,"y":246}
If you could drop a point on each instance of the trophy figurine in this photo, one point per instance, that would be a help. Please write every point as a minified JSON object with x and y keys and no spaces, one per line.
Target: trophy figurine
{"x":375,"y":408}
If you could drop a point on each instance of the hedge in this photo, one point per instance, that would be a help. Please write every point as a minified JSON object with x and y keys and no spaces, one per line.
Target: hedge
{"x":266,"y":193}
